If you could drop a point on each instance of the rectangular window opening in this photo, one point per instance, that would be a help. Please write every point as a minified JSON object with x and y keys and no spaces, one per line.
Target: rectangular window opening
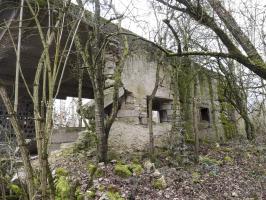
{"x":205,"y":114}
{"x":160,"y":110}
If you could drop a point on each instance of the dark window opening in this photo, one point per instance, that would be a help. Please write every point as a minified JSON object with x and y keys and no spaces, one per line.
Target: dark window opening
{"x":205,"y":114}
{"x":163,"y":116}
{"x":161,"y":110}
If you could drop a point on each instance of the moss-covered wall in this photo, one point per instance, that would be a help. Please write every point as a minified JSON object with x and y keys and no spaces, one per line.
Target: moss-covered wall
{"x":221,"y":126}
{"x":186,"y":86}
{"x":226,"y":114}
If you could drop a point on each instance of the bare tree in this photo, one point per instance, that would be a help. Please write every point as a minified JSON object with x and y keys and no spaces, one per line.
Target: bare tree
{"x":47,"y":79}
{"x":200,"y":12}
{"x":92,"y":54}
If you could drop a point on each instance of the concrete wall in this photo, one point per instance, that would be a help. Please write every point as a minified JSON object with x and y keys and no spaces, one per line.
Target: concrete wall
{"x":130,"y":131}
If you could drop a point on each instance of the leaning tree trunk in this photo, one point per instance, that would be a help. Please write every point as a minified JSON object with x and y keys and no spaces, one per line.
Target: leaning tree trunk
{"x":249,"y":127}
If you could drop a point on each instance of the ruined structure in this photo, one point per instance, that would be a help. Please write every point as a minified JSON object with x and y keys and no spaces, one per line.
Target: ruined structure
{"x":130,"y":130}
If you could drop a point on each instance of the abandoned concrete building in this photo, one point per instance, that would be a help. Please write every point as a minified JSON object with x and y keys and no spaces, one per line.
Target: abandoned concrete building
{"x":130,"y":130}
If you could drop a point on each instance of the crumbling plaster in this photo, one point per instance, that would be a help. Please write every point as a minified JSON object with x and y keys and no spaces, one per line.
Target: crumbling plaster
{"x":130,"y":131}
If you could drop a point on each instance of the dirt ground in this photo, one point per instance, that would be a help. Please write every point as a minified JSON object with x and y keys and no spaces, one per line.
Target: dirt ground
{"x":236,"y":170}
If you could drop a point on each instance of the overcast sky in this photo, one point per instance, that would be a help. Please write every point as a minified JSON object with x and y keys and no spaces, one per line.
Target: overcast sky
{"x":139,"y":15}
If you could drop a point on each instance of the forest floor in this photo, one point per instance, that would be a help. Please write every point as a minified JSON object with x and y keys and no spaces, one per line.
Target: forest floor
{"x":235,"y":170}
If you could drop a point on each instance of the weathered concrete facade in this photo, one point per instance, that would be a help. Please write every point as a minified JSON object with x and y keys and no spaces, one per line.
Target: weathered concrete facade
{"x":130,"y":131}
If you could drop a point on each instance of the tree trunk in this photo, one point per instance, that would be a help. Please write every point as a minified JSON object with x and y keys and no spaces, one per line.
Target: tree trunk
{"x":175,"y":92}
{"x":18,"y":56}
{"x":99,"y":126}
{"x":235,"y":30}
{"x":80,"y":93}
{"x":249,"y":127}
{"x":20,"y":140}
{"x":195,"y":119}
{"x":150,"y":99}
{"x":150,"y":123}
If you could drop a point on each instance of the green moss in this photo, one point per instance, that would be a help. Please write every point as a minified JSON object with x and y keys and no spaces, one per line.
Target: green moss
{"x":213,"y":116}
{"x":114,"y":196}
{"x":136,"y":158}
{"x":185,"y":89}
{"x":228,"y":160}
{"x":228,"y":125}
{"x":209,"y":161}
{"x":78,"y":194}
{"x":92,"y":169}
{"x":88,"y":140}
{"x":227,"y":149}
{"x":61,"y":172}
{"x":136,"y":168}
{"x":16,"y":189}
{"x":101,"y":188}
{"x":159,"y":183}
{"x":99,"y":173}
{"x":112,"y":188}
{"x":122,"y":170}
{"x":196,"y":177}
{"x":230,"y":129}
{"x":62,"y":184}
{"x":62,"y":188}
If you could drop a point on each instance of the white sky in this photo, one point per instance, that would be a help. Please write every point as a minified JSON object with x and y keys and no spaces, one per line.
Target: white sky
{"x":139,"y":15}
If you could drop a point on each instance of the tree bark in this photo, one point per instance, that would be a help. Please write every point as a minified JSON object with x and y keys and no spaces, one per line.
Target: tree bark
{"x":150,"y":99}
{"x":253,"y":61}
{"x":80,"y":80}
{"x":99,"y":125}
{"x":20,"y":140}
{"x":235,"y":29}
{"x":18,"y":56}
{"x":195,"y":118}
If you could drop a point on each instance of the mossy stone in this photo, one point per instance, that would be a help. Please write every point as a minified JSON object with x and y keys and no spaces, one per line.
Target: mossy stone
{"x":122,"y":170}
{"x":159,"y":183}
{"x":136,"y":169}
